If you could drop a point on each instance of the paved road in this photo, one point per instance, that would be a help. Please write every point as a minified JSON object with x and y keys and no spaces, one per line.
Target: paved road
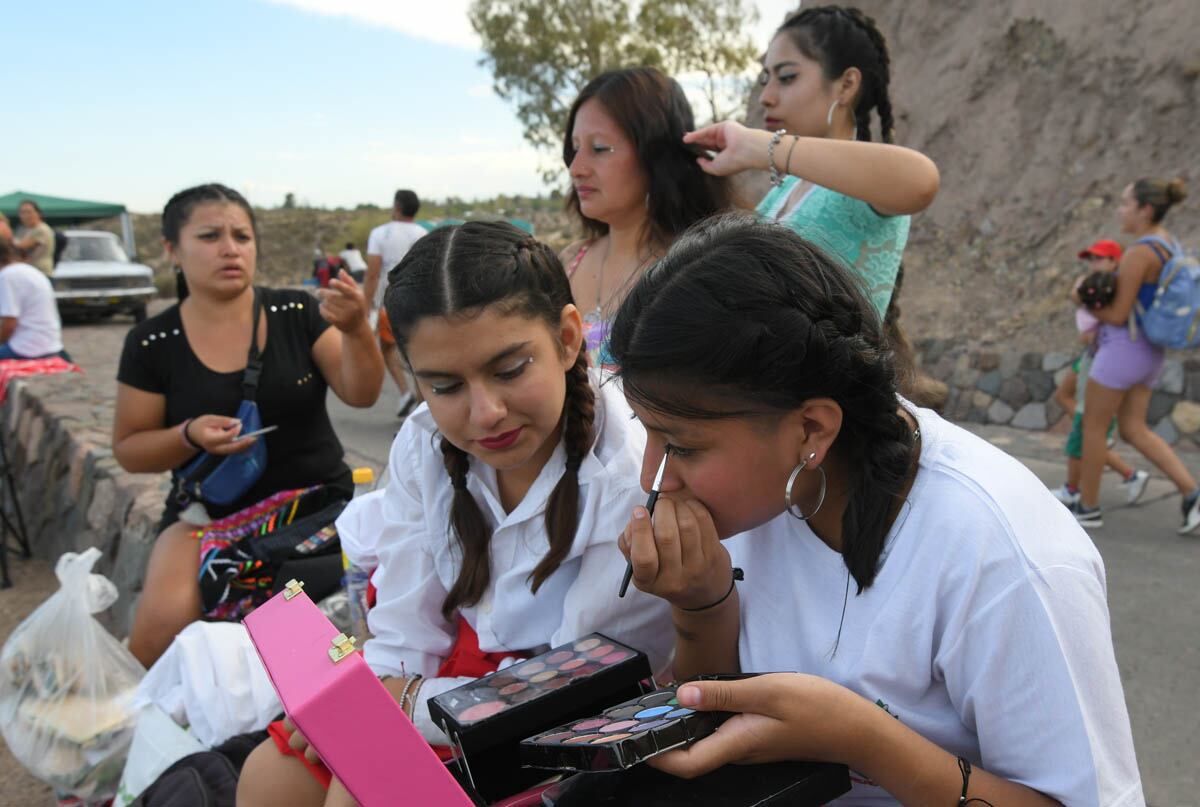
{"x":1153,"y":582}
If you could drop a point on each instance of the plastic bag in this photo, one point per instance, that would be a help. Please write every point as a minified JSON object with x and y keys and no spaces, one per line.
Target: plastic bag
{"x":158,"y":743}
{"x":66,"y":686}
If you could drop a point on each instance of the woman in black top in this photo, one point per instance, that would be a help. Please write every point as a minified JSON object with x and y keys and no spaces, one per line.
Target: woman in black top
{"x":180,"y":382}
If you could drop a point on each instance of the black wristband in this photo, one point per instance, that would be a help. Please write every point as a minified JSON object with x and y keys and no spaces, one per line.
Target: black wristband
{"x":187,"y":438}
{"x":738,"y":574}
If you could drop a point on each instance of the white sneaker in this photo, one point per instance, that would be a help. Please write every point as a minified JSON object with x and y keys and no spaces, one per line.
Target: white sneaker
{"x":1064,"y":495}
{"x":1191,"y":514}
{"x":1135,"y":485}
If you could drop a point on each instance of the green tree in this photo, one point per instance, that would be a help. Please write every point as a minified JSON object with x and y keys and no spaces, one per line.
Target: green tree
{"x":289,"y":201}
{"x":542,"y":52}
{"x":703,"y":38}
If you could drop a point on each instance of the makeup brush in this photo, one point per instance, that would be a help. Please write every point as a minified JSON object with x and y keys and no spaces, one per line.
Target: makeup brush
{"x":658,"y":478}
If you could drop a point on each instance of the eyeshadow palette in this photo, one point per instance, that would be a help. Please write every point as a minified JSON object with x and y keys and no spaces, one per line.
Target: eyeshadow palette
{"x":486,"y":719}
{"x":622,"y":736}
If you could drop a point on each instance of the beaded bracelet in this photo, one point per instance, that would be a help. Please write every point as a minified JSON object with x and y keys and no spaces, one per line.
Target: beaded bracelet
{"x":776,"y":177}
{"x":406,"y":695}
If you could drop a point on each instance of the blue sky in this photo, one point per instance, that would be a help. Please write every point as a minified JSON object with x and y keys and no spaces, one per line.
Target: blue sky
{"x":337,"y":101}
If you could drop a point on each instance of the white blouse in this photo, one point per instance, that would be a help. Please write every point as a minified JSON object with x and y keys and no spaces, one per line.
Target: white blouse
{"x":407,"y":527}
{"x":986,"y":629}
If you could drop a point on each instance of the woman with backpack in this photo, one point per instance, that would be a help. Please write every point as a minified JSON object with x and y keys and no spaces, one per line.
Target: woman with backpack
{"x":1127,"y":364}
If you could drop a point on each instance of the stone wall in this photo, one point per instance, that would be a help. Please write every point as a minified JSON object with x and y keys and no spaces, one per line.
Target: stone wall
{"x":56,"y":432}
{"x":988,"y":385}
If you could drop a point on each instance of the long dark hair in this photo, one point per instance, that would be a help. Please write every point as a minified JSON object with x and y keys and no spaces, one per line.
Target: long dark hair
{"x":791,"y":325}
{"x":179,"y":209}
{"x":841,"y":37}
{"x":462,"y":269}
{"x":654,"y":114}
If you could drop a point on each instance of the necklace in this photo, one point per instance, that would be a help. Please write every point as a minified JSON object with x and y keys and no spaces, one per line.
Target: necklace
{"x":604,"y":303}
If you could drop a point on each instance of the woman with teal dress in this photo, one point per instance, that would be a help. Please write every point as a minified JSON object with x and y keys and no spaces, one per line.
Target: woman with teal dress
{"x":826,"y":69}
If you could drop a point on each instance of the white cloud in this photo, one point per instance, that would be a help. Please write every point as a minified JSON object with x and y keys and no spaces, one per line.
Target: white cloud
{"x":444,"y":21}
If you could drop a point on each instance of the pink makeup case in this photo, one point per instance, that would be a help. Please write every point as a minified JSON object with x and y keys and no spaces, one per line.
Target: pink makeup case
{"x":339,"y":705}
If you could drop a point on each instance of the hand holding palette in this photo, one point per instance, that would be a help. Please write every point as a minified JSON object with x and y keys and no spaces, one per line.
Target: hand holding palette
{"x":622,"y":736}
{"x":486,"y":719}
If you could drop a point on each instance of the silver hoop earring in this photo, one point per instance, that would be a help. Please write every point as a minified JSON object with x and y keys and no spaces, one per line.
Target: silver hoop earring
{"x":829,"y":117}
{"x":793,"y":509}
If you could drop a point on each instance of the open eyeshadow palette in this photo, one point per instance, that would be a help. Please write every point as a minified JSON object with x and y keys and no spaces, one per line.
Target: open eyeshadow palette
{"x":622,"y":736}
{"x":486,"y":719}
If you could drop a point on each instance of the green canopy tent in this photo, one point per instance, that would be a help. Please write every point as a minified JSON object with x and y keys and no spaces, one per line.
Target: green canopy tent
{"x":60,"y":212}
{"x":431,"y":224}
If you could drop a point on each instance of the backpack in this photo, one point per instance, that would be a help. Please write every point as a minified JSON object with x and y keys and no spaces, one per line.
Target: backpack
{"x":60,"y":245}
{"x":204,"y":779}
{"x":1172,"y":319}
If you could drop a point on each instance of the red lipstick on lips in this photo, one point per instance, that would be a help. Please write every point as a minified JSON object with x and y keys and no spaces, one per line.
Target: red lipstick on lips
{"x":501,"y":441}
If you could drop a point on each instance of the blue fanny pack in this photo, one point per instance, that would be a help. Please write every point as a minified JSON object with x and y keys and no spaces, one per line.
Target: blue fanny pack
{"x":222,"y":480}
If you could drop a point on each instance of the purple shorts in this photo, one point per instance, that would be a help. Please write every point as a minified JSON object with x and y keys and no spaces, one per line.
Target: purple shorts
{"x":1122,"y":363}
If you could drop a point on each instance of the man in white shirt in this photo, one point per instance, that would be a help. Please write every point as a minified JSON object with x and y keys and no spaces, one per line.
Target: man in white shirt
{"x":29,"y":323}
{"x":356,"y":265}
{"x":386,"y":246}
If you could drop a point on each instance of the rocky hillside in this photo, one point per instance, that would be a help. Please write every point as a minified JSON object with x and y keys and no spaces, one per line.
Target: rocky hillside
{"x":1038,"y":115}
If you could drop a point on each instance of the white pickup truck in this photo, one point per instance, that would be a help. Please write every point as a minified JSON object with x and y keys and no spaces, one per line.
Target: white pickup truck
{"x":95,"y":276}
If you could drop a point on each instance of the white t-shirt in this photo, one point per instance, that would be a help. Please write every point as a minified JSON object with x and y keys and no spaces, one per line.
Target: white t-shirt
{"x":391,"y":242}
{"x":26,"y":293}
{"x":354,"y":260}
{"x":986,"y":631}
{"x":407,"y":529}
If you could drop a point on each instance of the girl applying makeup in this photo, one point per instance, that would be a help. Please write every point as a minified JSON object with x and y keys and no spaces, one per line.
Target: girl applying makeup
{"x":944,"y":614}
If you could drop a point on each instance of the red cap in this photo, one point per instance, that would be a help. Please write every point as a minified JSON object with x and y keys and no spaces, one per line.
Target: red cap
{"x":1103,"y":249}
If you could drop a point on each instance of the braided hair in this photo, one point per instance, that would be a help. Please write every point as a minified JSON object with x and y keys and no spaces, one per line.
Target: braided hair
{"x":460,"y":270}
{"x":841,"y":37}
{"x":794,"y":327}
{"x":179,"y":210}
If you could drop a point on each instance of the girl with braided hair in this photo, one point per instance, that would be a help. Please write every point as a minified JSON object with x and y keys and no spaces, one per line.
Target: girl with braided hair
{"x":508,"y":486}
{"x":940,"y":609}
{"x":826,"y":70}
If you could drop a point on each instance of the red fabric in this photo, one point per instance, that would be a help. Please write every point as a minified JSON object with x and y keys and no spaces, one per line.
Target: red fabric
{"x":465,"y":659}
{"x":19,"y":368}
{"x":318,"y":770}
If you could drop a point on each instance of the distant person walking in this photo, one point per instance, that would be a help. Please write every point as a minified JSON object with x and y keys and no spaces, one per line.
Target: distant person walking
{"x":356,"y":264}
{"x":826,"y":69}
{"x":29,"y":324}
{"x":1093,"y":290}
{"x":1127,"y":365}
{"x":387,"y":244}
{"x":34,"y":238}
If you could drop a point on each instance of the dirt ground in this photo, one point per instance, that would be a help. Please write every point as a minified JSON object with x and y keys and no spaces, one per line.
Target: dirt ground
{"x":33,"y":581}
